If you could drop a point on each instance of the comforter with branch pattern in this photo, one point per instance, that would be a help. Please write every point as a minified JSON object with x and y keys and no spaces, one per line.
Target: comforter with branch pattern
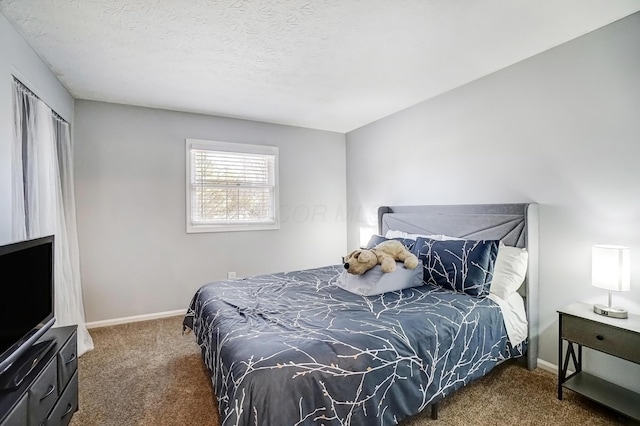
{"x":295,"y":349}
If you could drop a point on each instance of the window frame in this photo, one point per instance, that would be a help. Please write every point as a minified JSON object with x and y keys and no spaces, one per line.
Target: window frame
{"x":236,"y":148}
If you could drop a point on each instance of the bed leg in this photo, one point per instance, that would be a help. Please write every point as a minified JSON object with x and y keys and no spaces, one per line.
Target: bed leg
{"x":434,"y":411}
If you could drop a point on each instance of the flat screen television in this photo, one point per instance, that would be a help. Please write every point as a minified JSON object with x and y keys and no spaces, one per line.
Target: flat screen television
{"x":26,"y":298}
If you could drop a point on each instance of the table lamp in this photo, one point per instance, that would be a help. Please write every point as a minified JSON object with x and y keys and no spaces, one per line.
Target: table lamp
{"x":365,"y":234}
{"x":611,"y":270}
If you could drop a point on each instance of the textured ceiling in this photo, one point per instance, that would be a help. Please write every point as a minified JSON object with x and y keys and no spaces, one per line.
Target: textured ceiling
{"x":326,"y":64}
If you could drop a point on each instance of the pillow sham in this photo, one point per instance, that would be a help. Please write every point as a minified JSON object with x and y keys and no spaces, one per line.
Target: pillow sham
{"x":461,"y":265}
{"x":509,"y":271}
{"x":374,"y":281}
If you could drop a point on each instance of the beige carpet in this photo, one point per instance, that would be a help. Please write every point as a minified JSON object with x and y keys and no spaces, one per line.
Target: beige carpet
{"x":148,"y":373}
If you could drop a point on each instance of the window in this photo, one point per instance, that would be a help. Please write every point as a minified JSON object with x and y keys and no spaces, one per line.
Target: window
{"x":231,"y":187}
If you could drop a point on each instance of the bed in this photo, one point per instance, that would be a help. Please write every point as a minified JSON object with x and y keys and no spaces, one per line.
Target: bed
{"x":294,"y":348}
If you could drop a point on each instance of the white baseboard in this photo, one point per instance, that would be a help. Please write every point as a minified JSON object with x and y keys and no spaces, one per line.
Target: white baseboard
{"x":547,"y":366}
{"x":552,"y":368}
{"x":136,"y":318}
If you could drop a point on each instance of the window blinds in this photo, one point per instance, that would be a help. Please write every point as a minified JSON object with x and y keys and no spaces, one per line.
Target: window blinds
{"x":232,"y":188}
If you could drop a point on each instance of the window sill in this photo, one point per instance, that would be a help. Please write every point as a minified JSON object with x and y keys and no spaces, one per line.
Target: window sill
{"x":196,"y":229}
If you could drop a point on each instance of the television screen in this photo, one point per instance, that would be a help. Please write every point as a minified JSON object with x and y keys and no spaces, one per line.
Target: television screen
{"x":26,"y":294}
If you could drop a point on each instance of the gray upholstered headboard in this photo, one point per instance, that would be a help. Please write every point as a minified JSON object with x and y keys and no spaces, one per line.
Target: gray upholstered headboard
{"x":514,"y":224}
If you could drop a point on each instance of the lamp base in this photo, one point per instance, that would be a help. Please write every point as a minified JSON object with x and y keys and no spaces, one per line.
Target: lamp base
{"x":609,"y":311}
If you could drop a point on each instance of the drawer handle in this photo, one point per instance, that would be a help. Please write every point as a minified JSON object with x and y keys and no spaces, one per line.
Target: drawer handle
{"x":73,"y":358}
{"x":66,"y":413}
{"x":599,"y":337}
{"x":49,"y":392}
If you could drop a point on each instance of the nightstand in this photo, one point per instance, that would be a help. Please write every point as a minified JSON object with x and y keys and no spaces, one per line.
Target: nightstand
{"x":580,"y":326}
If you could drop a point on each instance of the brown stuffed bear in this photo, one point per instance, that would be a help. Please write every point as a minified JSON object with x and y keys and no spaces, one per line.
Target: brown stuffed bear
{"x":384,"y":254}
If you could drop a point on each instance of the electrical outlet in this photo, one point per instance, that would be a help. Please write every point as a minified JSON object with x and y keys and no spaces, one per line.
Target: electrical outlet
{"x":231,"y":275}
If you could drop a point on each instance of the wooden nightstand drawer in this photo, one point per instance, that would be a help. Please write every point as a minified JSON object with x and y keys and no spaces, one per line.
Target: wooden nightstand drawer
{"x":601,"y":337}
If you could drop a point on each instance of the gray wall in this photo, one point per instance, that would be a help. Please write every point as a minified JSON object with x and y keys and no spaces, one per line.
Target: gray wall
{"x":17,"y":58}
{"x":136,"y":257}
{"x":561,"y":129}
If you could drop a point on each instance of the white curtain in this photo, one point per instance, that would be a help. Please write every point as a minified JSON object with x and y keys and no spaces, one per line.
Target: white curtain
{"x":44,"y":201}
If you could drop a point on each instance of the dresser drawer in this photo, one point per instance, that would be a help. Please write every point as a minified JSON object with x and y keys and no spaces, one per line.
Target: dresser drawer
{"x":67,"y":362}
{"x":17,"y":416}
{"x":601,"y":337}
{"x":43,"y":394}
{"x":66,"y":405}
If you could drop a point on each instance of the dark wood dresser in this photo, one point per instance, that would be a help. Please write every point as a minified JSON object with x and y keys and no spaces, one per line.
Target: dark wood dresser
{"x":49,"y":393}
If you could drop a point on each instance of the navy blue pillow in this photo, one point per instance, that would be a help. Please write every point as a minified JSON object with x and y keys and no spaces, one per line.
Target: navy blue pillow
{"x":460,"y":265}
{"x":377,"y":239}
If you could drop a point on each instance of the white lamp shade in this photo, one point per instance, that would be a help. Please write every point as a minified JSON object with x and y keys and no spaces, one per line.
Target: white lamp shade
{"x":611,"y":267}
{"x":365,"y":234}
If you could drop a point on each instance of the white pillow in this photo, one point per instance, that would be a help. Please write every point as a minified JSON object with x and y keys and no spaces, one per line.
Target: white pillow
{"x":509,"y":271}
{"x":450,"y":238}
{"x":374,"y":281}
{"x":400,"y":234}
{"x":395,"y":234}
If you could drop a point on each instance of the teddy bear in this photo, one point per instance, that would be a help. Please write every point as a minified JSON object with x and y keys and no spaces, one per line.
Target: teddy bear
{"x":384,"y":254}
